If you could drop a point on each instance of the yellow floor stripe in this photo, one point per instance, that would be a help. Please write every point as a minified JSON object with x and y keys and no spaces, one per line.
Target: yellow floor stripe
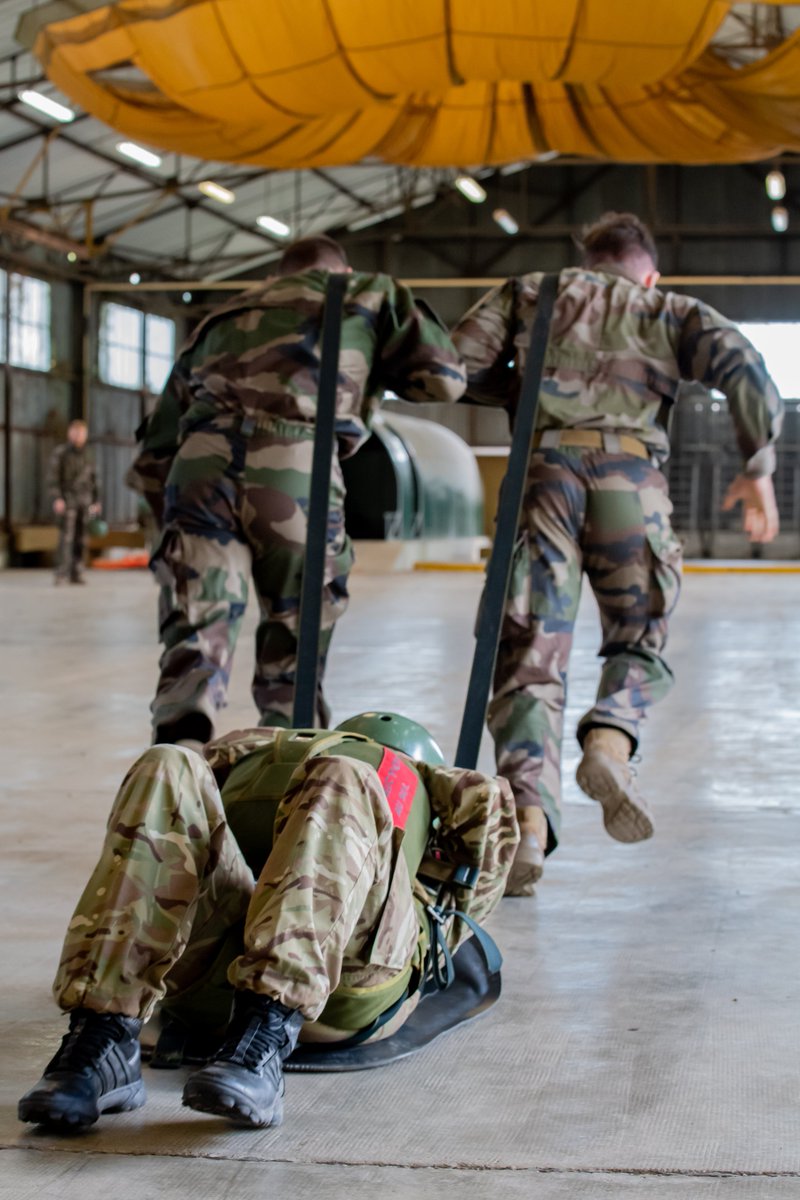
{"x":689,"y":568}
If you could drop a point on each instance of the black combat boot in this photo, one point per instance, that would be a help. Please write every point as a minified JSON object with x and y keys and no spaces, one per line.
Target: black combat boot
{"x":244,"y":1082}
{"x":97,"y":1069}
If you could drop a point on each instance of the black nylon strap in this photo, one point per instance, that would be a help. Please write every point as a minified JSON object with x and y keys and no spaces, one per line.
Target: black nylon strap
{"x":307,"y":669}
{"x":498,"y":571}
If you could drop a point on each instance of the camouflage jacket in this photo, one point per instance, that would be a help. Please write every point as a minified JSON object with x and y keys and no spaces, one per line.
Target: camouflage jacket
{"x":474,"y":825}
{"x":259,"y":355}
{"x":616,"y":355}
{"x":72,"y":476}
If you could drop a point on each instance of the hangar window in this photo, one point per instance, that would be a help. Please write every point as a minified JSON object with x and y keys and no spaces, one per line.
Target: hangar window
{"x":120,"y":345}
{"x":134,"y":349}
{"x":29,"y":321}
{"x":159,"y":351}
{"x":776,"y":341}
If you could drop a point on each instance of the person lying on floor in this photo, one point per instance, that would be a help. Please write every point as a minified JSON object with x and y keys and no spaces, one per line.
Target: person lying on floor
{"x":281,"y":870}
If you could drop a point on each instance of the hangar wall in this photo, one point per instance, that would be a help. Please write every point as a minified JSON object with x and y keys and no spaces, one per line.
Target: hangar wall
{"x":710,"y":221}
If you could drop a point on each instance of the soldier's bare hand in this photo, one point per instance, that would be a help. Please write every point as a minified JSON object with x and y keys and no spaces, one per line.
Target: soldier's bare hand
{"x":59,"y":507}
{"x":95,"y":510}
{"x":761,"y":522}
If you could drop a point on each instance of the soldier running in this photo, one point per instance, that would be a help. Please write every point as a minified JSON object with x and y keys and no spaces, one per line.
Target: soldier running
{"x":226,"y":463}
{"x":597,"y":503}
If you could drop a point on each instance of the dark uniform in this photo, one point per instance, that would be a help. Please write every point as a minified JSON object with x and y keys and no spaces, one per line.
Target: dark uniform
{"x":72,"y":477}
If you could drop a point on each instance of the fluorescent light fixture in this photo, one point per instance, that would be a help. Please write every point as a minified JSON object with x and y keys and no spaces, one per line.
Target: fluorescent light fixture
{"x":274,"y":226}
{"x":134,"y":278}
{"x":139,"y":154}
{"x":505,"y":220}
{"x":779,"y":218}
{"x":44,"y":104}
{"x":775,"y":185}
{"x":470,"y":188}
{"x":215,"y":191}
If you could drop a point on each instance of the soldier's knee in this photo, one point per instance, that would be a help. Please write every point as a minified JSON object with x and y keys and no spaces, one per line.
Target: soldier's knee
{"x":166,"y":756}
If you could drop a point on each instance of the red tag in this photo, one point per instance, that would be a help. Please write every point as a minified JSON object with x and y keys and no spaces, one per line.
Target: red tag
{"x":400,"y":784}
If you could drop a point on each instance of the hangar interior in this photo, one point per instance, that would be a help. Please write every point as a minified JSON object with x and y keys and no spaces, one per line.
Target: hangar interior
{"x":646,"y":1042}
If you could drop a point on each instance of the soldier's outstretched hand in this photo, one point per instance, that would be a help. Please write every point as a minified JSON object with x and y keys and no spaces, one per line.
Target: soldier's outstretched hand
{"x":761,"y":522}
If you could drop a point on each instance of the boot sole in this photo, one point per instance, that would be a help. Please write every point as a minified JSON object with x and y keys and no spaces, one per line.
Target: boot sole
{"x":48,"y":1110}
{"x":231,"y":1104}
{"x":624,"y":820}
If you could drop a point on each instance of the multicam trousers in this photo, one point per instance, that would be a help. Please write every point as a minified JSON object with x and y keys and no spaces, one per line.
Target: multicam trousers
{"x":607,"y":515}
{"x":71,"y":542}
{"x":333,"y":902}
{"x":236,"y":506}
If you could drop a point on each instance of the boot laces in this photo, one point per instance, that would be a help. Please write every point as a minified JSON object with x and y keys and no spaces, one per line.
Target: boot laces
{"x":88,"y":1039}
{"x":252,"y":1038}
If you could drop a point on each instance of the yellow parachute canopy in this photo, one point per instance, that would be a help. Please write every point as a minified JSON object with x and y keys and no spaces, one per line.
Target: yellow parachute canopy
{"x":310,"y":83}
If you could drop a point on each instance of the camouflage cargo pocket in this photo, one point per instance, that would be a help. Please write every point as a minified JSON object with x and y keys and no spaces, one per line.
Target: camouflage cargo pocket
{"x":518,"y":598}
{"x":665,"y":548}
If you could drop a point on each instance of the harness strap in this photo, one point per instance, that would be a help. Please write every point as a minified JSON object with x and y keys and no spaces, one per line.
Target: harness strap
{"x":498,"y":572}
{"x":442,"y":970}
{"x":307,"y":669}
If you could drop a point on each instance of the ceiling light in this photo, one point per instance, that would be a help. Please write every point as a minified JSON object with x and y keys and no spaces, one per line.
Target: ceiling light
{"x":186,"y":297}
{"x":273,"y":225}
{"x":72,"y":256}
{"x":470,"y":188}
{"x":134,"y":278}
{"x":505,"y":220}
{"x":775,"y":185}
{"x":215,"y":191}
{"x":779,"y":218}
{"x":139,"y":154}
{"x":44,"y":104}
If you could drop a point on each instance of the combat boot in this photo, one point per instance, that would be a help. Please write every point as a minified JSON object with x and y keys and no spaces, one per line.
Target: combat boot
{"x":605,"y":774}
{"x":244,"y":1081}
{"x":97,"y":1069}
{"x":528,"y":865}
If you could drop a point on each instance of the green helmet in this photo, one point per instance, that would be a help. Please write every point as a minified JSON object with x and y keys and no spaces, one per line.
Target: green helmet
{"x":97,"y":527}
{"x":399,"y":733}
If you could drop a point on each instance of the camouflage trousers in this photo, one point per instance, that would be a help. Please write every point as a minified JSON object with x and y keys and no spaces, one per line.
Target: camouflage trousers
{"x":607,"y":515}
{"x":71,"y":542}
{"x":333,"y":901}
{"x":236,"y":507}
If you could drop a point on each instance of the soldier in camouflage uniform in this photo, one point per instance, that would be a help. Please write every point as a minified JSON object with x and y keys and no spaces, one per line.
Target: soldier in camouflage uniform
{"x":596,"y":502}
{"x":332,"y":929}
{"x":226,"y":463}
{"x":74,"y":495}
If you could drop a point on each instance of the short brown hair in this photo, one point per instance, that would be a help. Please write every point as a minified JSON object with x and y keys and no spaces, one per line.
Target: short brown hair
{"x":614,"y":236}
{"x":306,"y":253}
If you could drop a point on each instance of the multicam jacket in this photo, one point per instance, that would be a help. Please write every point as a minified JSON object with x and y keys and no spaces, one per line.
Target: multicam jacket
{"x":473,"y":826}
{"x":259,"y":356}
{"x":616,"y":355}
{"x":72,"y":476}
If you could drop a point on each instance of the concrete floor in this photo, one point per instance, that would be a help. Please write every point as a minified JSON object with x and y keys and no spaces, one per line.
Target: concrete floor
{"x":647,"y":1041}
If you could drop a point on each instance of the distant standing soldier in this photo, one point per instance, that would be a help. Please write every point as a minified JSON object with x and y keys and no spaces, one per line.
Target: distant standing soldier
{"x":73,"y":489}
{"x":597,"y":502}
{"x":226,"y":463}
